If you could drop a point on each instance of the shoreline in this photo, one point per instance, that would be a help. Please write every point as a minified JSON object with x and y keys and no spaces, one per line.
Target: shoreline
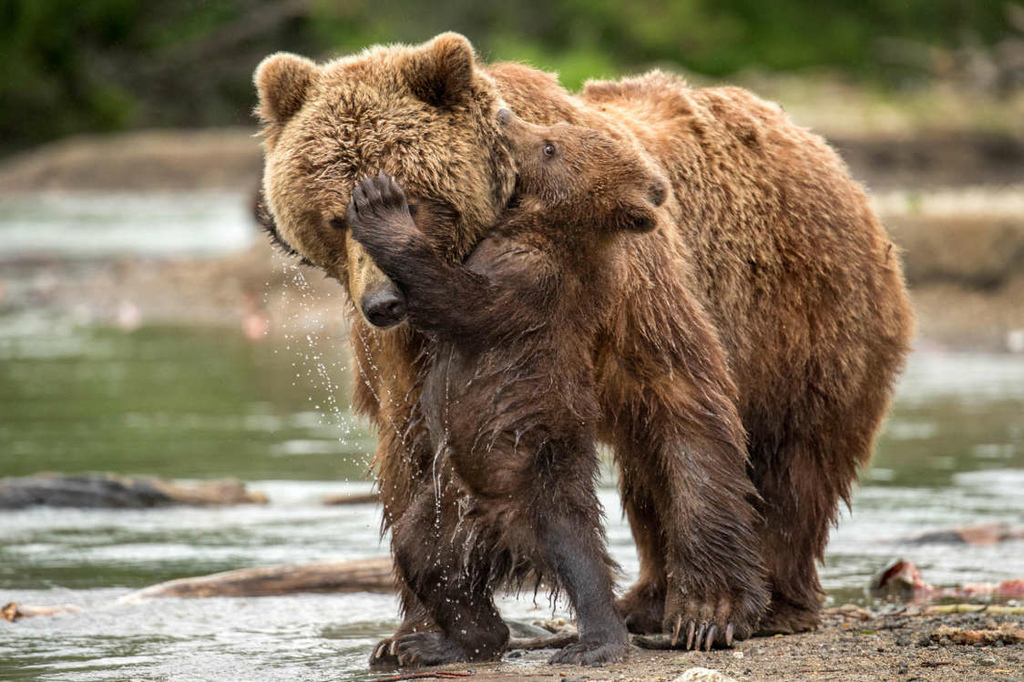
{"x":952,"y":199}
{"x":232,"y":159}
{"x":966,"y":281}
{"x":853,"y":644}
{"x":953,"y":313}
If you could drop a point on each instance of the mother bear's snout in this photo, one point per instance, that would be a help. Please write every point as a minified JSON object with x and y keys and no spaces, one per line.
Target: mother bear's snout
{"x":383,"y":307}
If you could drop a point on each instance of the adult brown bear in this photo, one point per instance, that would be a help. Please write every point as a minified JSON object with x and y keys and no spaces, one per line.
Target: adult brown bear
{"x":773,"y":320}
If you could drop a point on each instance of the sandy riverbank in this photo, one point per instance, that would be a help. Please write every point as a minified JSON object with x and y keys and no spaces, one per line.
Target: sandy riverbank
{"x":853,"y":645}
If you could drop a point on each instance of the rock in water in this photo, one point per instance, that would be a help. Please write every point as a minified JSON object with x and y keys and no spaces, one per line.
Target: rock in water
{"x":112,"y":491}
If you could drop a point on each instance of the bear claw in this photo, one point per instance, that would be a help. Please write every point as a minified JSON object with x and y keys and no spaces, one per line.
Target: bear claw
{"x":705,"y":636}
{"x":710,"y":637}
{"x":712,"y":621}
{"x":383,"y":655}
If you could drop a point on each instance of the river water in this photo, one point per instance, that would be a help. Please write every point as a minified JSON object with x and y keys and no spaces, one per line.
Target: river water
{"x":201,"y":402}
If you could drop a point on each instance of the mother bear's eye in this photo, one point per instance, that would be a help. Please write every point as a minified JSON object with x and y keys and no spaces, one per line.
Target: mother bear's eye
{"x":549,"y":149}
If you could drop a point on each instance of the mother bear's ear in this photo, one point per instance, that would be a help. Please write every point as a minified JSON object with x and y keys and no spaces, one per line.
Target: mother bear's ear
{"x":282,"y":81}
{"x":441,"y":72}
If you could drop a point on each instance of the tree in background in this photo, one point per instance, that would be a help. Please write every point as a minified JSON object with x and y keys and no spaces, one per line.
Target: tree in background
{"x":97,"y":65}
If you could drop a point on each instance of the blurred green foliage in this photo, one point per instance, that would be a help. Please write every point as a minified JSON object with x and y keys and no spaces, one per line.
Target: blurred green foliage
{"x":96,"y":65}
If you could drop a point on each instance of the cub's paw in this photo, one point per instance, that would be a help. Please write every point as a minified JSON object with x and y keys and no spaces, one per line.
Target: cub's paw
{"x":642,"y":608}
{"x":591,"y":653}
{"x":378,"y":202}
{"x":715,"y":621}
{"x":382,"y":655}
{"x":425,"y":648}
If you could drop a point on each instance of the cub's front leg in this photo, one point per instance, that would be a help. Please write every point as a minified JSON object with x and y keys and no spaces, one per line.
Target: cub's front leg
{"x":447,"y":300}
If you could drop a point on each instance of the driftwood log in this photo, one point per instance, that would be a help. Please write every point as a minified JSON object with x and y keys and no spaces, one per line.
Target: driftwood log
{"x":351,"y":498}
{"x":13,"y":611}
{"x":119,"y":492}
{"x":358,"y":575}
{"x":986,"y":534}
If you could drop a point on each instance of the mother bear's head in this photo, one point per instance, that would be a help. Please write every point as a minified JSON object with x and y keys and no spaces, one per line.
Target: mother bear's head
{"x":426,"y":115}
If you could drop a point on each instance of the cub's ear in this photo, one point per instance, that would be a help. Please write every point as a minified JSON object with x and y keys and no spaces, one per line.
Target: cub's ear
{"x":282,"y":81}
{"x":441,"y":72}
{"x":640,"y":215}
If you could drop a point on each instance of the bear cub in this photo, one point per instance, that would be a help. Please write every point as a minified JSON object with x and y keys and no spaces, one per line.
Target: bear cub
{"x":509,"y":397}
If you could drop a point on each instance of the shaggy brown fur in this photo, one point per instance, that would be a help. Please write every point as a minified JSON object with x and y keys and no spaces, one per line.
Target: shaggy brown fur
{"x":510,"y":398}
{"x":772,"y":319}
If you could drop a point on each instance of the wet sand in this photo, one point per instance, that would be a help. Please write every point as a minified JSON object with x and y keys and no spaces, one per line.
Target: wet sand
{"x":853,"y":645}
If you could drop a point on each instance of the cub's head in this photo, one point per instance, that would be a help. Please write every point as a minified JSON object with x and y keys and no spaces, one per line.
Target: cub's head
{"x":426,"y":115}
{"x":594,"y":179}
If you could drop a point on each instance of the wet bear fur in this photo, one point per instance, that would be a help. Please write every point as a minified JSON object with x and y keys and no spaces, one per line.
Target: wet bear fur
{"x":770,"y":318}
{"x":509,"y":398}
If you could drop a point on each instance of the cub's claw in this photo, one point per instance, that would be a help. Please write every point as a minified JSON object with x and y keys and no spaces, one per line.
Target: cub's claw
{"x":383,"y":655}
{"x":378,"y":213}
{"x":426,"y":648}
{"x":375,"y":195}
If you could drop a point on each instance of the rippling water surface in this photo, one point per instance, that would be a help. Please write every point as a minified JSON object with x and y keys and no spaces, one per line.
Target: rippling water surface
{"x":198,"y":403}
{"x":89,"y":225}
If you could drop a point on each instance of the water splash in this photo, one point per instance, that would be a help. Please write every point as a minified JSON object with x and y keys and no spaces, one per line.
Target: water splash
{"x":305,"y":334}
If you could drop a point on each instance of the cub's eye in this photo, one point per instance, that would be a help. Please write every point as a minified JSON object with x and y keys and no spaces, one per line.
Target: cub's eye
{"x":414,"y":207}
{"x":549,"y":149}
{"x":338,"y":223}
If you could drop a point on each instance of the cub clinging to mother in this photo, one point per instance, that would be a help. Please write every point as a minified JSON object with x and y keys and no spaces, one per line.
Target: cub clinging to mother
{"x":510,"y":399}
